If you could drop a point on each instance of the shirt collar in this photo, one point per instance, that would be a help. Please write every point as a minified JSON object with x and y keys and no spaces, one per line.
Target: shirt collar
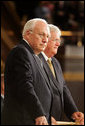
{"x":2,"y":96}
{"x":26,"y":41}
{"x":46,"y":58}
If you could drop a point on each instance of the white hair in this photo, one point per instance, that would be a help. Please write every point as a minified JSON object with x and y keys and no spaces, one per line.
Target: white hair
{"x":31,"y":23}
{"x":55,"y":29}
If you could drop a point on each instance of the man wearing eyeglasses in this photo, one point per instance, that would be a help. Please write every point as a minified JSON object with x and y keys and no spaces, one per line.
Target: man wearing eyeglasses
{"x":62,"y":99}
{"x":27,"y":99}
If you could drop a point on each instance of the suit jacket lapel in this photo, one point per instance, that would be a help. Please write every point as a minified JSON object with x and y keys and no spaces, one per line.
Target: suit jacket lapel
{"x":56,"y":71}
{"x":42,"y":71}
{"x":36,"y":60}
{"x":46,"y":67}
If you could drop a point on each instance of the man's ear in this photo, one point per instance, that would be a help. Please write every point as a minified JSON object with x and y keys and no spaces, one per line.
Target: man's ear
{"x":27,"y":32}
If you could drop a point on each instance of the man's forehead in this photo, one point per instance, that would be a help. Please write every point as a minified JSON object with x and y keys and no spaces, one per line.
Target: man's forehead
{"x":41,"y":28}
{"x":54,"y":33}
{"x":40,"y":23}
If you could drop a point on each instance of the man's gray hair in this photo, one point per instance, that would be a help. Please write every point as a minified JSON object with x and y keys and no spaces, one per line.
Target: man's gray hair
{"x":31,"y":23}
{"x":54,"y":28}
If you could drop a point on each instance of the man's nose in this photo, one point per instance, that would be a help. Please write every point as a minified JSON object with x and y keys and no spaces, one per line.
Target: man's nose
{"x":57,"y":43}
{"x":45,"y":39}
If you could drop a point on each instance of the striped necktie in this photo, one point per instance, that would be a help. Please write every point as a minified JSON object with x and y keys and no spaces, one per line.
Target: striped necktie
{"x":51,"y":66}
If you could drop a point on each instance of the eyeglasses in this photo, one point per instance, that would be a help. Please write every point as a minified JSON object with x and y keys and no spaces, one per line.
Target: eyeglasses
{"x":41,"y":35}
{"x":56,"y":40}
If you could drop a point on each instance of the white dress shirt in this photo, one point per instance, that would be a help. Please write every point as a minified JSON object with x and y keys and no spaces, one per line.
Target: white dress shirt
{"x":46,"y":58}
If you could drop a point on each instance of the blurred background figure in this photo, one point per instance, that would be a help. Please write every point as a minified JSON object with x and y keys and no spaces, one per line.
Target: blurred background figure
{"x":61,"y":14}
{"x":44,"y":10}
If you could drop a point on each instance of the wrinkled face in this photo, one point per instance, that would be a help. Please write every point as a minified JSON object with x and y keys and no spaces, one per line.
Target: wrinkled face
{"x":53,"y":43}
{"x":38,"y":37}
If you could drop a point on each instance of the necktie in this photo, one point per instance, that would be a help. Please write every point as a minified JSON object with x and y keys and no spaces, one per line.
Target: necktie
{"x":51,"y":66}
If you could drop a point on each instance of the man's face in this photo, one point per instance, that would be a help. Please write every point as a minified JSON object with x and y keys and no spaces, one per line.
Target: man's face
{"x":39,"y":37}
{"x":53,"y":43}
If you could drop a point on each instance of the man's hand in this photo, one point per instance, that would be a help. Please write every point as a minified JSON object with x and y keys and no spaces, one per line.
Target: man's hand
{"x":41,"y":121}
{"x":53,"y":121}
{"x":78,"y":117}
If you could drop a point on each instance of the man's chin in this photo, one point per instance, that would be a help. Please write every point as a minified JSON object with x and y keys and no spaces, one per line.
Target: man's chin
{"x":55,"y":52}
{"x":43,"y":48}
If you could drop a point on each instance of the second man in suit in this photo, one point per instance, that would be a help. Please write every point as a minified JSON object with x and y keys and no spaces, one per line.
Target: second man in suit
{"x":54,"y":72}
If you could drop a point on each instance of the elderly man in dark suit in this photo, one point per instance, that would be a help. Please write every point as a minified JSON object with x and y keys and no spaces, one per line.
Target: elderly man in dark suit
{"x":28,"y":96}
{"x":54,"y":72}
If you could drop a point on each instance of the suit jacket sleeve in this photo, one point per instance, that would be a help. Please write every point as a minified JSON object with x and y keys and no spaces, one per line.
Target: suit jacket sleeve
{"x":24,"y":84}
{"x":69,"y":104}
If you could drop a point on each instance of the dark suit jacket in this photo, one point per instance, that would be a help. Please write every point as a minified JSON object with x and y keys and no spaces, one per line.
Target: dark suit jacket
{"x":27,"y":92}
{"x":60,"y":91}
